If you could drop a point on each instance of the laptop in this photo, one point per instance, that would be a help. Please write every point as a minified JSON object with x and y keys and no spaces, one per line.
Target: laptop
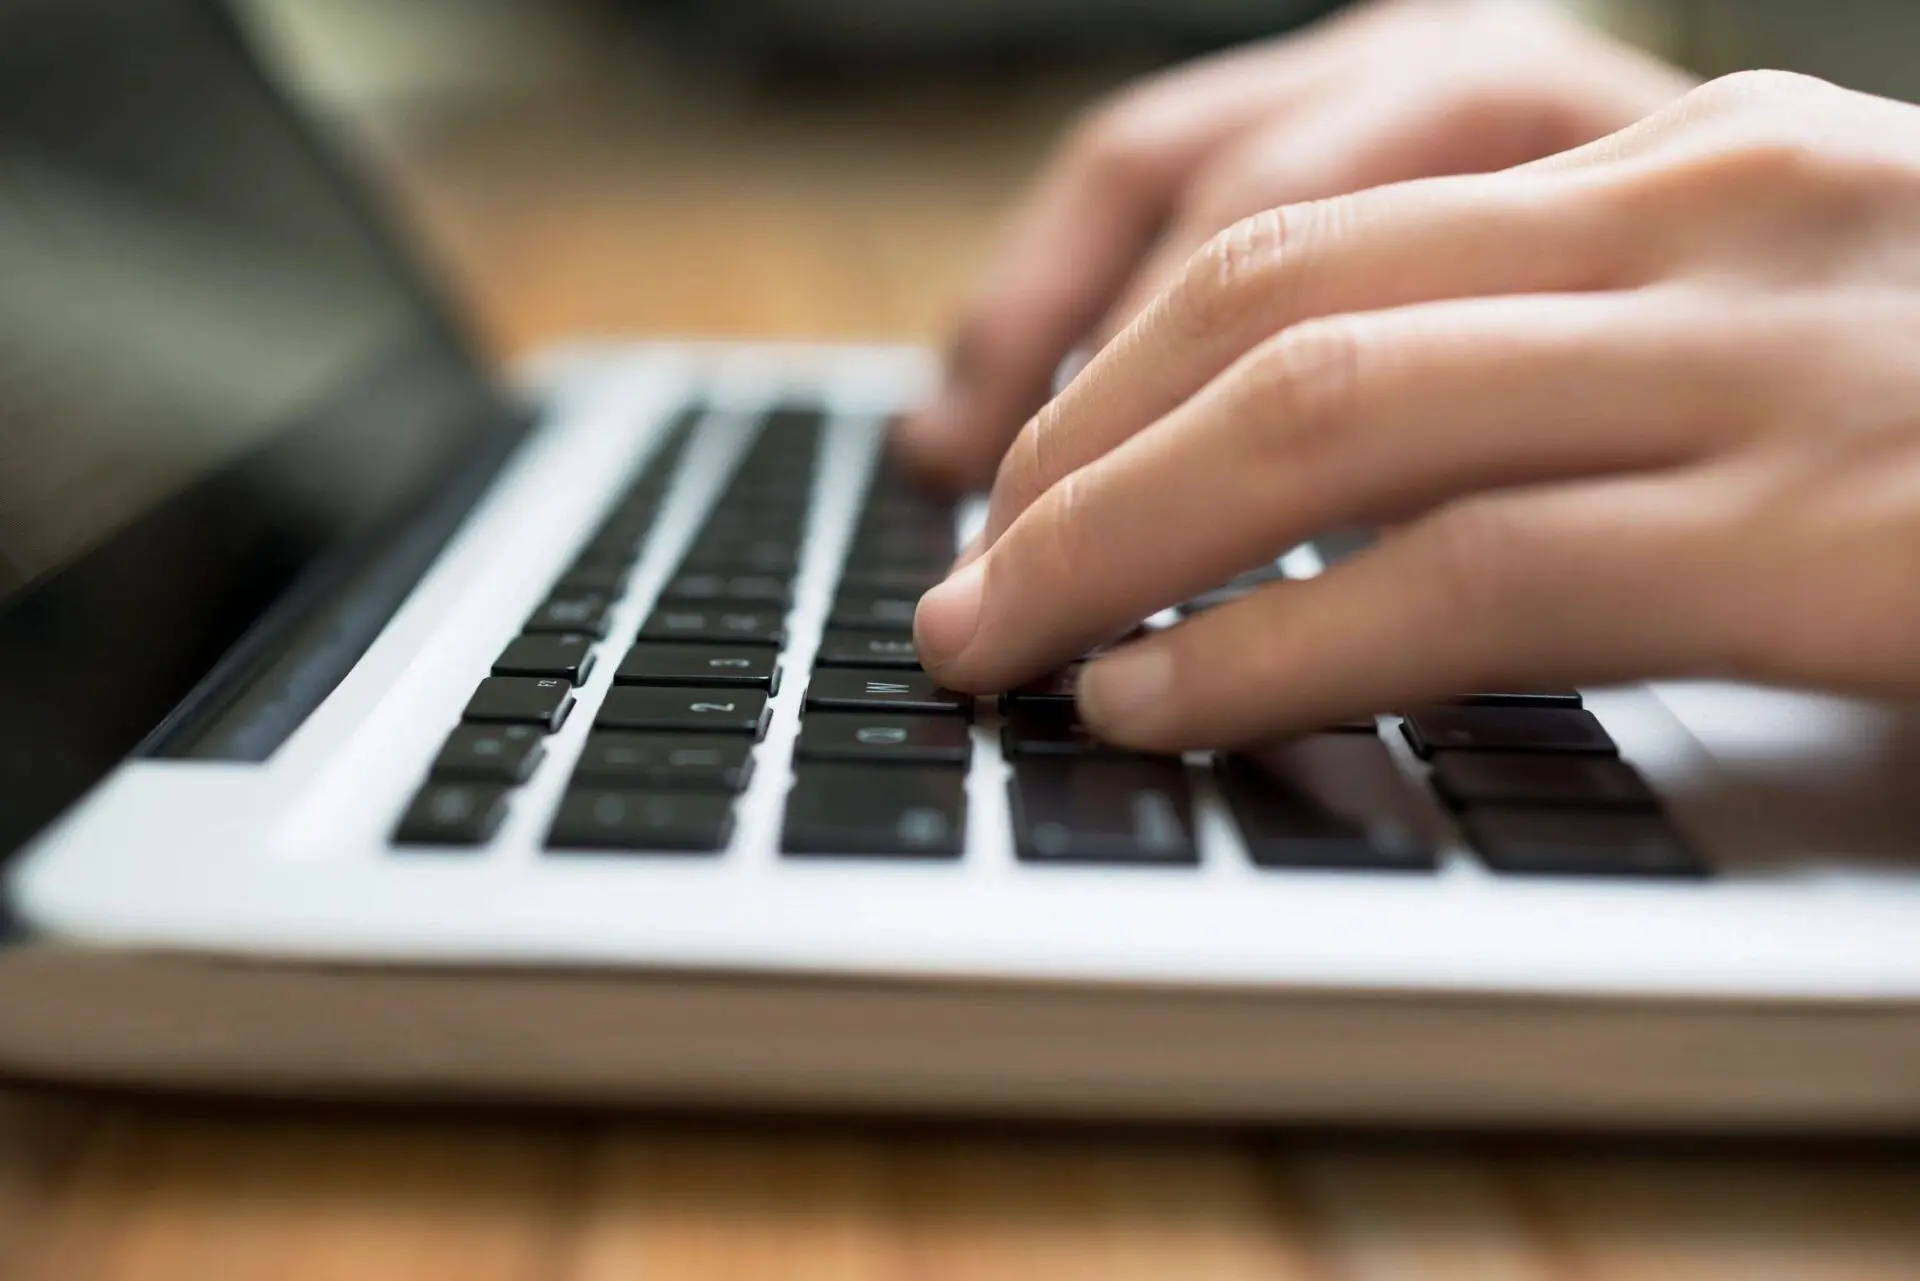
{"x":371,"y":730}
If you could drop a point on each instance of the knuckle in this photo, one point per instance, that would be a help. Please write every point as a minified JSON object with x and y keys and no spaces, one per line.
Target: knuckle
{"x":1070,"y":546}
{"x":1024,"y":474}
{"x":1118,"y":145}
{"x":1470,"y":566}
{"x":1747,"y":92}
{"x":1228,"y":281}
{"x":1300,"y":394}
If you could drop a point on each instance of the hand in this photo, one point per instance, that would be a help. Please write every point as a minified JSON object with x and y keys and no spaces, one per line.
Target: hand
{"x":1649,"y":408}
{"x":1400,"y":89}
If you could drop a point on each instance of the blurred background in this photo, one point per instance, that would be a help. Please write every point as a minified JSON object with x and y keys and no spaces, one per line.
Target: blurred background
{"x":814,"y":166}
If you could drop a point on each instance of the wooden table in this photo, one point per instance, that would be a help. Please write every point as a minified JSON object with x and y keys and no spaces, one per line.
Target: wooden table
{"x":617,"y":209}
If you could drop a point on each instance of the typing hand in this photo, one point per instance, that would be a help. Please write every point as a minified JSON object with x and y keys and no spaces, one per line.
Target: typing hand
{"x":1651,"y":407}
{"x":1395,"y":91}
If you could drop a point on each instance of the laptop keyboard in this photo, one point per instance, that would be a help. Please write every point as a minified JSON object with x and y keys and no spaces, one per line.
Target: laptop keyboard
{"x":880,"y":765}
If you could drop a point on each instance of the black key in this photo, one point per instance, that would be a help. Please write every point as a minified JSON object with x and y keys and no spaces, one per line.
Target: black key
{"x":587,"y":612}
{"x":735,"y":626}
{"x":1103,"y":811}
{"x":867,"y":649}
{"x":890,"y":582}
{"x":898,"y":557}
{"x":1051,"y":729}
{"x":521,"y":700}
{"x":593,"y":818}
{"x":453,"y":814}
{"x":732,"y":711}
{"x":504,"y":754}
{"x":872,"y":689}
{"x":594,"y":578}
{"x":1056,"y":690}
{"x":1334,"y":801}
{"x":854,"y":809}
{"x":912,"y":740}
{"x":612,"y":548}
{"x":1234,"y":588}
{"x":567,"y":655}
{"x":666,"y":762}
{"x":905,"y":541}
{"x":757,"y":518}
{"x":1581,"y":843}
{"x":1504,"y":729}
{"x":745,"y":589}
{"x":747,"y":556}
{"x":1344,"y":544}
{"x":1539,"y":698}
{"x":717,"y":666}
{"x":1495,"y":778}
{"x":856,"y":612}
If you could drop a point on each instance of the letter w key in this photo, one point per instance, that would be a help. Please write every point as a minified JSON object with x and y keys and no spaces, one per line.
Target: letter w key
{"x":867,"y":689}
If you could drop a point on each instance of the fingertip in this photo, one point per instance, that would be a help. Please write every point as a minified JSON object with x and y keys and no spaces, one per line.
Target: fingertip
{"x":946,"y":620}
{"x":949,"y":445}
{"x":1123,"y":697}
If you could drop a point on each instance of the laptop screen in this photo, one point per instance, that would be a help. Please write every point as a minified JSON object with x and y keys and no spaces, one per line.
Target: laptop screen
{"x":214,"y":375}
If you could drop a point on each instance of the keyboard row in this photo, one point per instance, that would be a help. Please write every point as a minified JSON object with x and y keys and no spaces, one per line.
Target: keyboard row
{"x":880,"y":764}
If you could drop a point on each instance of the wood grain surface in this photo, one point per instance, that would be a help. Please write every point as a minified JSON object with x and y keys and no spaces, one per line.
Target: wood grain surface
{"x":629,"y":205}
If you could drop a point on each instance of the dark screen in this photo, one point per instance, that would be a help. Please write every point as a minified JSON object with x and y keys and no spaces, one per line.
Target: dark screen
{"x":215,"y":378}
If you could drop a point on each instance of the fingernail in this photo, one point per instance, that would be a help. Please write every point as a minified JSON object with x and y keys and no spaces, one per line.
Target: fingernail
{"x":948,"y":616}
{"x":1124,"y":689}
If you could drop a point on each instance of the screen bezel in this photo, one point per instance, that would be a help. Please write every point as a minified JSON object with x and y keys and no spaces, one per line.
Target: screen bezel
{"x":64,"y":746}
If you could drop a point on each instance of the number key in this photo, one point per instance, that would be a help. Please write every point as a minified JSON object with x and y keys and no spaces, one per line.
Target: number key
{"x":644,"y":707}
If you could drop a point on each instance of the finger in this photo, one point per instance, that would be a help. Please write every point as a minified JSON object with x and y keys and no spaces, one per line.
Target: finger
{"x":1592,"y":583}
{"x":1074,"y":243}
{"x":1355,"y":420}
{"x":1332,"y":148}
{"x":1495,"y":234}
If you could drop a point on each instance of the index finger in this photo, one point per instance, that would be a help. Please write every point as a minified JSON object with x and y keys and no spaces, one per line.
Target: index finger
{"x":1074,"y":244}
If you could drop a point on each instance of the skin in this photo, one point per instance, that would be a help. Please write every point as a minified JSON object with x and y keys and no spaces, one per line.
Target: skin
{"x":1649,"y":407}
{"x":1385,"y":93}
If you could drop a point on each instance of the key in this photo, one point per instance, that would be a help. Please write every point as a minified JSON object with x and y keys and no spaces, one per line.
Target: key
{"x":504,"y":754}
{"x":898,"y":557}
{"x":567,"y":655}
{"x":718,"y":553}
{"x":666,"y":762}
{"x":737,"y":626}
{"x":889,"y":582}
{"x":874,"y":613}
{"x":898,"y":811}
{"x":586,"y":612}
{"x":594,"y":578}
{"x":1581,"y":843}
{"x":866,"y":689}
{"x":1056,"y":690}
{"x":1540,"y":698}
{"x":1103,"y":811}
{"x":1332,"y":801}
{"x":718,"y":666}
{"x":856,"y":649}
{"x":1504,"y":729}
{"x":593,"y":818}
{"x":1051,"y":729}
{"x":913,"y":740}
{"x":1494,"y":778}
{"x":1343,"y":545}
{"x":453,"y":814}
{"x":745,"y":589}
{"x":1233,"y":589}
{"x":731,"y":711}
{"x":523,"y":700}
